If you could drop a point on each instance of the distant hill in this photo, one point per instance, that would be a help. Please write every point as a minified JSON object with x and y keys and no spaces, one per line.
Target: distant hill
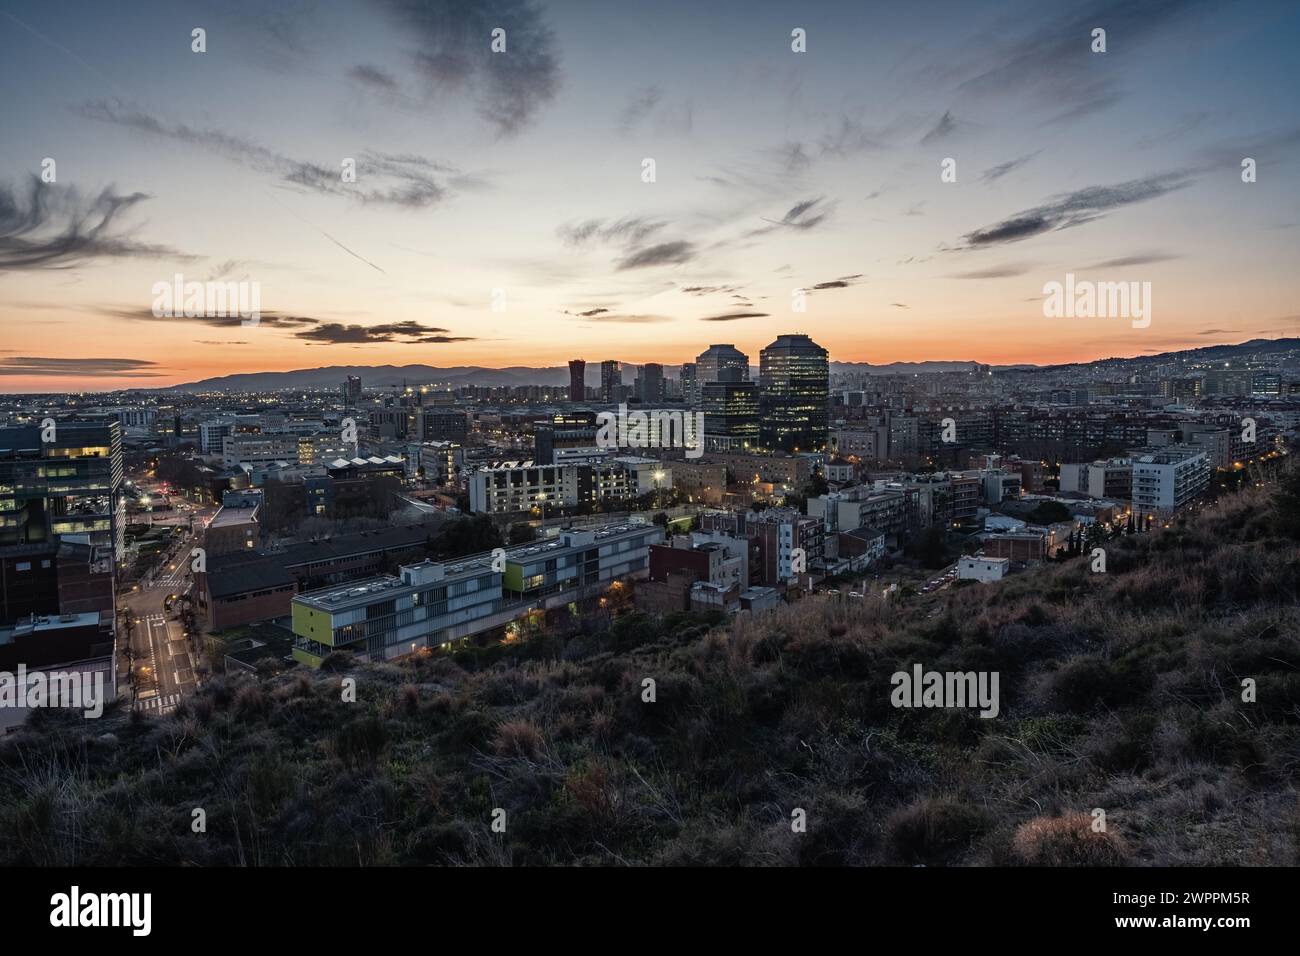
{"x":394,"y":376}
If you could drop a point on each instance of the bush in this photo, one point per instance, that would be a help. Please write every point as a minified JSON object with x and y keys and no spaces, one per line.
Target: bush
{"x":933,"y":830}
{"x":1067,"y":840}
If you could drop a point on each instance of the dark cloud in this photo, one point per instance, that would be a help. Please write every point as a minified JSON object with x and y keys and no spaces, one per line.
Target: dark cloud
{"x":843,"y":282}
{"x":87,"y":367}
{"x":664,"y":253}
{"x":47,"y":226}
{"x":899,"y":305}
{"x":1001,"y":169}
{"x":409,"y":332}
{"x":733,"y":316}
{"x":1073,"y":209}
{"x":397,"y":180}
{"x":453,"y":55}
{"x":1220,"y":332}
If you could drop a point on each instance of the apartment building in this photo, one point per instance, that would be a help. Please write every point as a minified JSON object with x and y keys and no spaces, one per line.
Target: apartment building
{"x":520,"y":486}
{"x":1111,"y":479}
{"x":1167,"y":479}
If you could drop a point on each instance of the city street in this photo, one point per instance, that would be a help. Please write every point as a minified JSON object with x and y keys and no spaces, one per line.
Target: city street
{"x":162,"y":656}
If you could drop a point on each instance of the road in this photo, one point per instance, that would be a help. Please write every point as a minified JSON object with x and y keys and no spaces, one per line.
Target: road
{"x":162,"y":655}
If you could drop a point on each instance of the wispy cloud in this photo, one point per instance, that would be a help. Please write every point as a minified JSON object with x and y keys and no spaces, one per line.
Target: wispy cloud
{"x":48,"y":226}
{"x":843,"y":282}
{"x":639,"y":106}
{"x":409,"y":181}
{"x":996,"y":272}
{"x":664,"y":253}
{"x":1074,"y":209}
{"x":1053,"y":64}
{"x":943,"y":129}
{"x":88,"y":367}
{"x":733,"y":316}
{"x":1001,"y":169}
{"x":453,"y":56}
{"x":409,"y":332}
{"x":1137,"y":259}
{"x":629,"y":230}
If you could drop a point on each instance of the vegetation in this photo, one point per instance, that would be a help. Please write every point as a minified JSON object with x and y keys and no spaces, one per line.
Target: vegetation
{"x":1120,"y":692}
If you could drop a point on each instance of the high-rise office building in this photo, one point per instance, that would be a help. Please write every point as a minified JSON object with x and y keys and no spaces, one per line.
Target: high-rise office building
{"x":730,"y":409}
{"x":577,"y":380}
{"x":64,"y":479}
{"x":690,"y":394}
{"x":710,"y":362}
{"x":611,"y":378}
{"x":650,"y":383}
{"x":794,"y":382}
{"x":352,"y":391}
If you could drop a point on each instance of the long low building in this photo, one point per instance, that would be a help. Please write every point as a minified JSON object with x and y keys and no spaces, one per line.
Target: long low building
{"x":257,"y":585}
{"x":432,"y":604}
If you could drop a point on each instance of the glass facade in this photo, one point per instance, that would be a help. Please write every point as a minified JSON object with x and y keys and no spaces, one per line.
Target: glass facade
{"x":794,"y":378}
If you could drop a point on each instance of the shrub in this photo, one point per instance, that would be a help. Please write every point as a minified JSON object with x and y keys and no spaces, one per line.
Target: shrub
{"x":933,"y":830}
{"x":1067,"y":840}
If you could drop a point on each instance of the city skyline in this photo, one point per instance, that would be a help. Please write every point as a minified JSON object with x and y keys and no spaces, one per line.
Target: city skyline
{"x":521,"y":173}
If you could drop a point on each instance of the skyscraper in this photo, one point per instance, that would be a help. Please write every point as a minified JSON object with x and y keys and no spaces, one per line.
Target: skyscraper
{"x":794,"y":382}
{"x":650,"y":383}
{"x":715,"y":358}
{"x":577,"y":380}
{"x":689,"y":386}
{"x":352,"y":391}
{"x":611,"y":377}
{"x":730,"y":409}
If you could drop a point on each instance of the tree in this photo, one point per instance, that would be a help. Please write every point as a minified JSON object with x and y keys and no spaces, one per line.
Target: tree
{"x":1049,"y":512}
{"x":521,"y":532}
{"x":661,"y":519}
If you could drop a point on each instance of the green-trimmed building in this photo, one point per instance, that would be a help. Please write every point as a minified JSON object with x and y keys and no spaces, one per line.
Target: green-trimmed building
{"x":432,"y":604}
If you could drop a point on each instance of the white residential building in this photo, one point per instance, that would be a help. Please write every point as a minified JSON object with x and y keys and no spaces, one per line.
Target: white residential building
{"x":1166,"y":479}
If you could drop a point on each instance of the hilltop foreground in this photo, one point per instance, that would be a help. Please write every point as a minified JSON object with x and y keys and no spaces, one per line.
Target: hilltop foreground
{"x":1121,"y":692}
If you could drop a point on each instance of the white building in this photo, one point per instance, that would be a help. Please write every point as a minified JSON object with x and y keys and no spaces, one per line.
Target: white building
{"x":971,"y":568}
{"x":1166,"y":479}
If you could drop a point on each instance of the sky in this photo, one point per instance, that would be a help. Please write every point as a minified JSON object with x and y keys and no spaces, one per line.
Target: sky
{"x":501,"y":213}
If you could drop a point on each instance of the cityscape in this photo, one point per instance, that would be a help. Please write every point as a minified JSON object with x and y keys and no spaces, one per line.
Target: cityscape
{"x":396,"y":508}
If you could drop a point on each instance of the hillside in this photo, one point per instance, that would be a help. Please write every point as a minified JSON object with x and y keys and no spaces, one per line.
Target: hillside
{"x":1119,"y":691}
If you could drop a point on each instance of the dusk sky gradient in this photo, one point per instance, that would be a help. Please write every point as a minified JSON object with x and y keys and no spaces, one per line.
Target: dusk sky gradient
{"x":522,"y":172}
